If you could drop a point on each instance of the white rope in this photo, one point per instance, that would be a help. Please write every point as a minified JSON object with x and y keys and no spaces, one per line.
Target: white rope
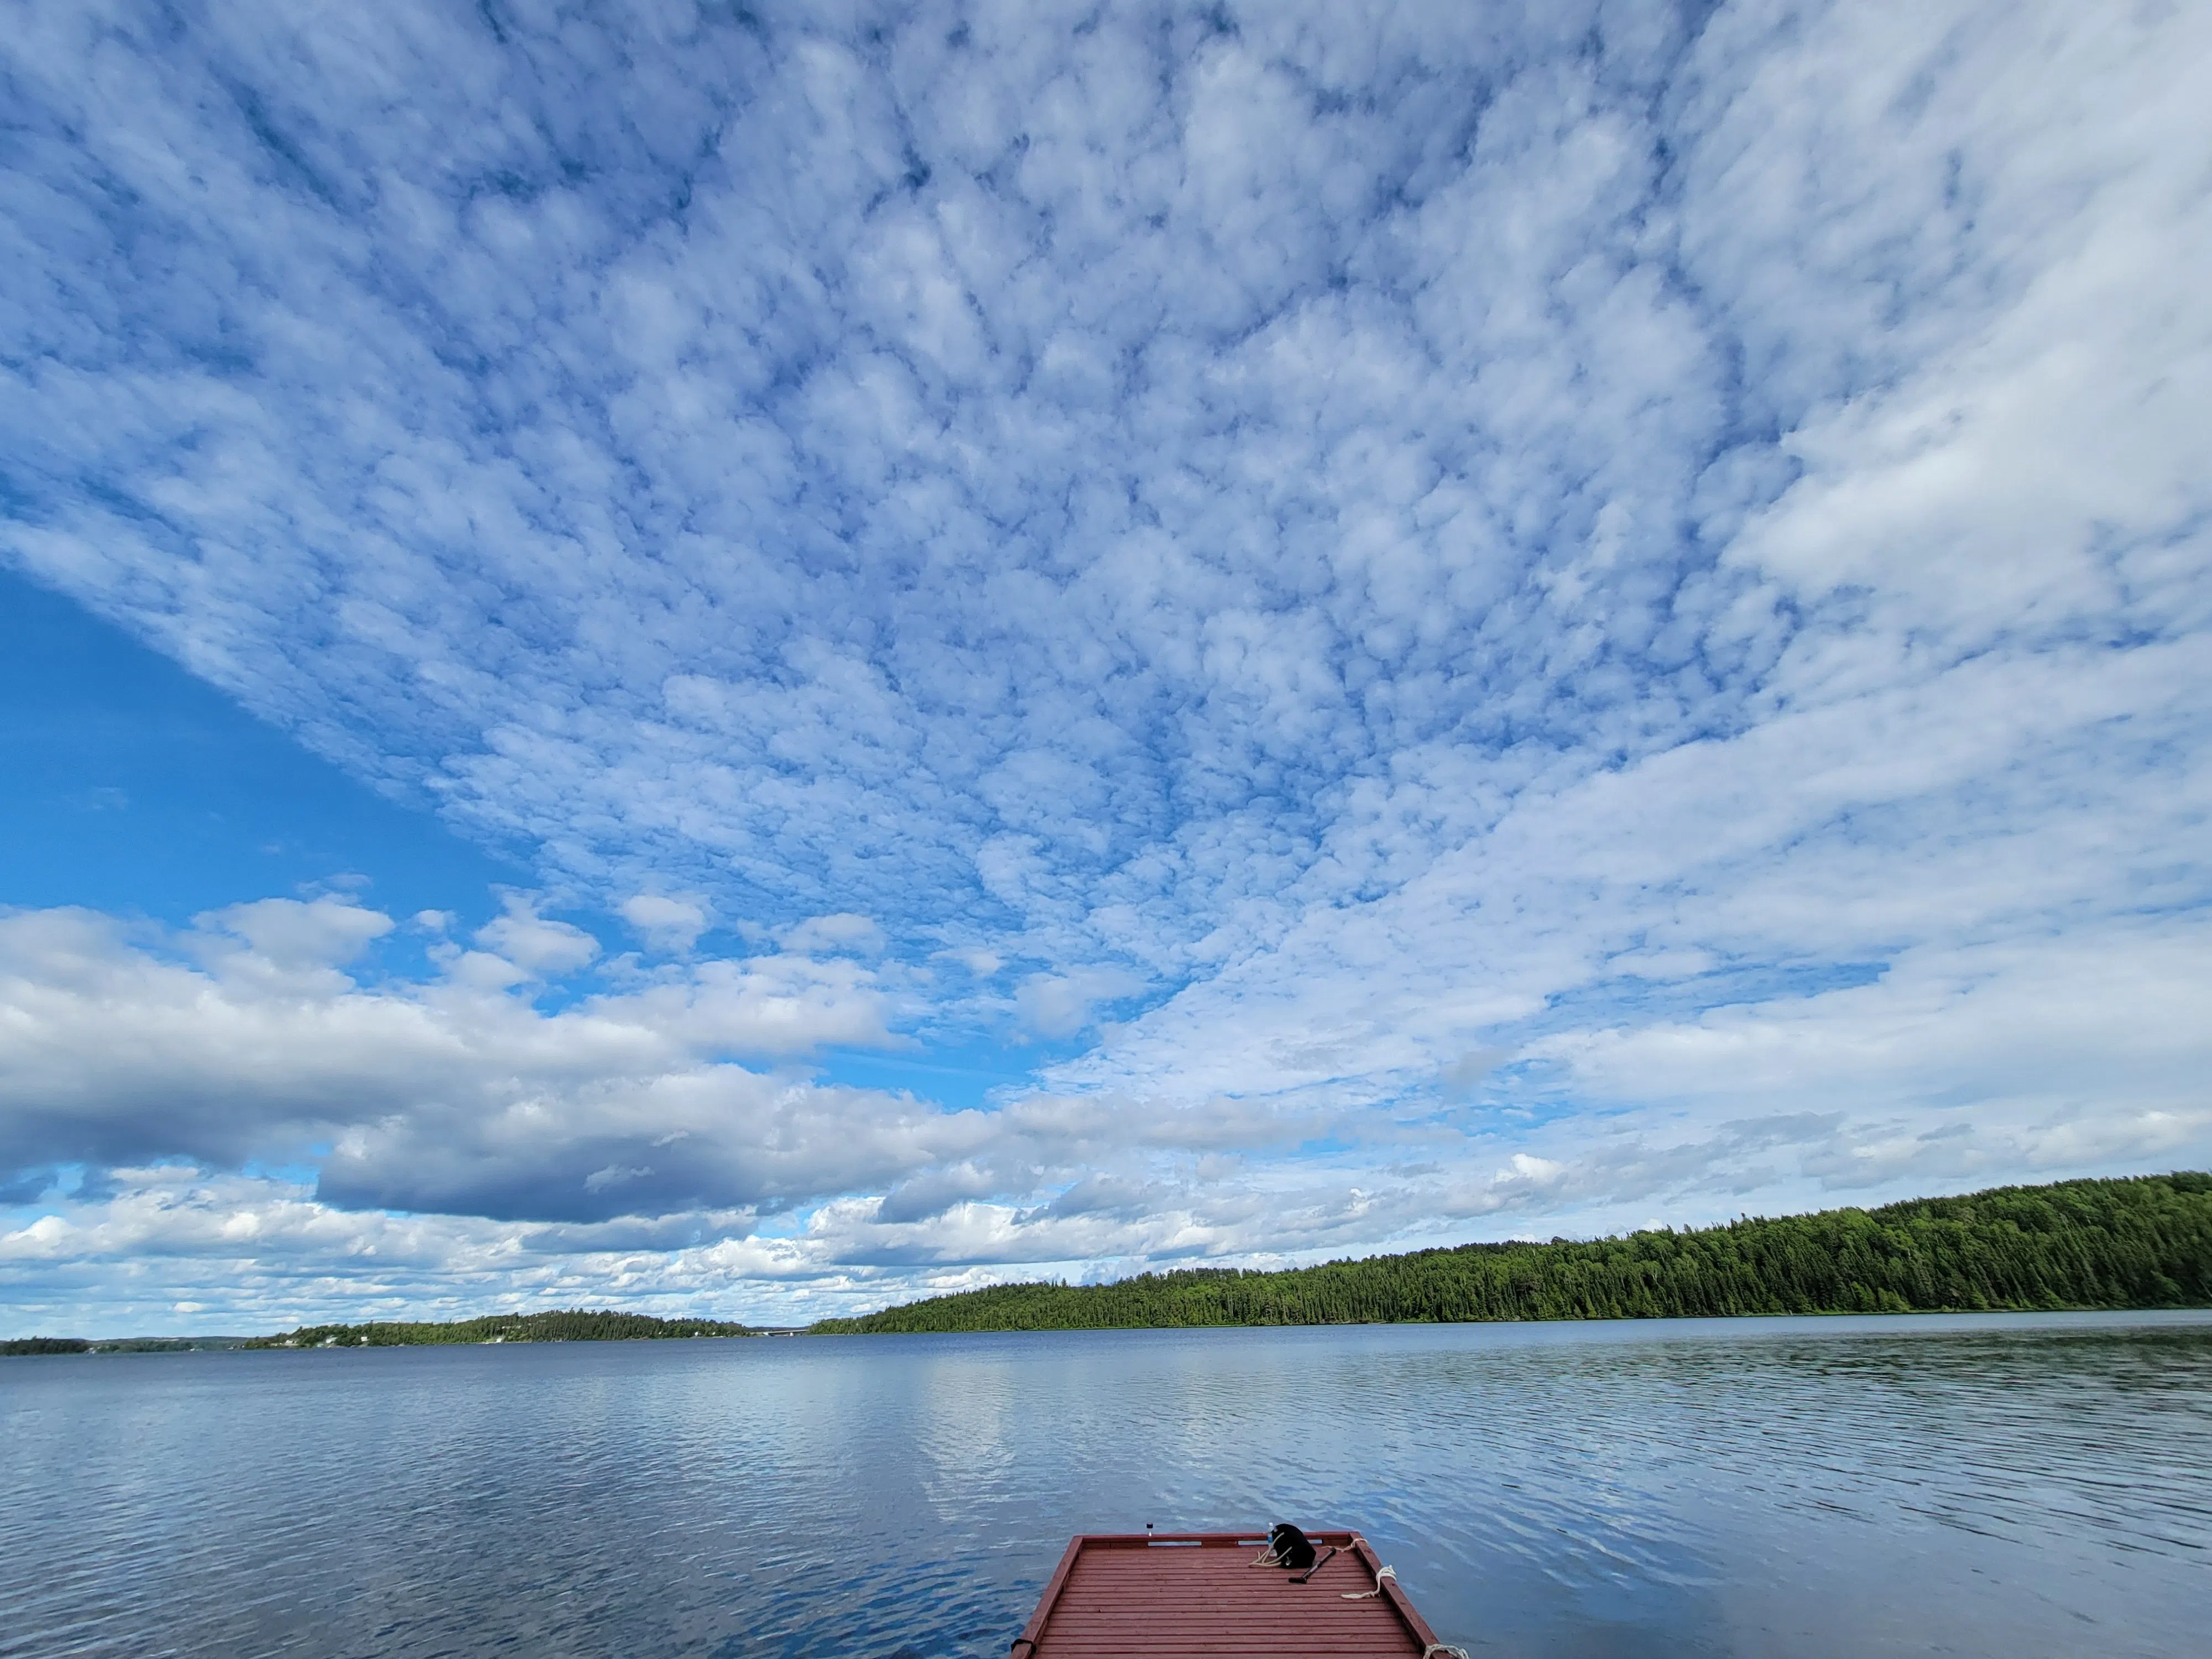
{"x":1433,"y":1648}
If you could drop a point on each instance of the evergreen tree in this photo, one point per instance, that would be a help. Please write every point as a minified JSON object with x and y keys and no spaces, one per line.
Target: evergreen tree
{"x":2140,"y":1243}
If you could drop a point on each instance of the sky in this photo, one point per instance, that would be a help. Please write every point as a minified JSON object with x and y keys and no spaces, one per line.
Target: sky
{"x":758,"y":660}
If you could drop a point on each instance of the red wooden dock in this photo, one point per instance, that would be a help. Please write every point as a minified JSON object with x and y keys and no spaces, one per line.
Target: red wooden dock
{"x":1135,"y":1596}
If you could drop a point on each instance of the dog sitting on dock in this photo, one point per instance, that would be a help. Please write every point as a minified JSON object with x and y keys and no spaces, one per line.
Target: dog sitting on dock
{"x":1287,"y":1547}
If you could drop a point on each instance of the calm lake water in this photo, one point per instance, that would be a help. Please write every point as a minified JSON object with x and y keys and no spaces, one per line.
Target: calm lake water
{"x":1999,"y":1486}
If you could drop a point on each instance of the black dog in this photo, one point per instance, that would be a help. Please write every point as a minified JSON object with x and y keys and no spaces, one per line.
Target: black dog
{"x":1291,"y":1547}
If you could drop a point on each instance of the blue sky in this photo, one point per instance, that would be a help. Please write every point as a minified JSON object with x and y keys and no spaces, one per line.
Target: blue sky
{"x":762,"y":660}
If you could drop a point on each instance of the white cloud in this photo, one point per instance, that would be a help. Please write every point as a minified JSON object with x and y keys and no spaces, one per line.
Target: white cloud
{"x":293,"y":938}
{"x":445,"y":1093}
{"x":1061,"y":1004}
{"x":669,"y":923}
{"x":1608,"y":604}
{"x":538,"y":947}
{"x":2029,"y":1044}
{"x":834,"y":935}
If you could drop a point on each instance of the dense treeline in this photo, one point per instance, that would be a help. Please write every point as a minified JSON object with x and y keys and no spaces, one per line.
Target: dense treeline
{"x":123,"y":1344}
{"x":2141,"y":1243}
{"x":573,"y":1327}
{"x":120,"y":1345}
{"x":171,"y":1344}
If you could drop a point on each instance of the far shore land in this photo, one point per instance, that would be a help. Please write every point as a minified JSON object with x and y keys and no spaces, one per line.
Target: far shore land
{"x":2139,"y":1243}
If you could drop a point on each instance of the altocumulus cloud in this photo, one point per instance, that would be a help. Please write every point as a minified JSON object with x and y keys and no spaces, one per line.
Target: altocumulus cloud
{"x":1476,"y":613}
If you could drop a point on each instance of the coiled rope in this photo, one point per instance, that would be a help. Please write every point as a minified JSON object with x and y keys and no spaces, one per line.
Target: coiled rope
{"x":1380,"y":1573}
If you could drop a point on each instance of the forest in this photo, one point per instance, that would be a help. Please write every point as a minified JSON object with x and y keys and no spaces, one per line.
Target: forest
{"x":2143,"y":1242}
{"x":576,"y":1326}
{"x":37,"y":1344}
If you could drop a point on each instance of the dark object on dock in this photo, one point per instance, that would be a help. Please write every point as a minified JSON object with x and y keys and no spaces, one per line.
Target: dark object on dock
{"x":1178,"y":1594}
{"x":1291,"y":1550}
{"x":1288,"y":1547}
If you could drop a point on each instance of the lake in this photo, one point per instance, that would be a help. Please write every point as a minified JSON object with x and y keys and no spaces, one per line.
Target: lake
{"x":2004,"y":1485}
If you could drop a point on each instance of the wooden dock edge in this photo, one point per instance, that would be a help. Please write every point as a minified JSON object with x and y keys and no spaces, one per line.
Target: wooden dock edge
{"x":1035,"y":1628}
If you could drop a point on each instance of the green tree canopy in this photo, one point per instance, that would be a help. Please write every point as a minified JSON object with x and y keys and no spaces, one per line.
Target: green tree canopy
{"x":2140,"y":1242}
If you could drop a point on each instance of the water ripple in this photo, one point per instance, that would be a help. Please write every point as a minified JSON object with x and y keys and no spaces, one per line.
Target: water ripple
{"x":1998,"y":1486}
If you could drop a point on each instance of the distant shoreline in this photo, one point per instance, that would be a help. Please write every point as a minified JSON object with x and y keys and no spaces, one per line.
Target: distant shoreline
{"x":2185,"y":1313}
{"x":61,"y":1345}
{"x":2135,"y":1244}
{"x":2139,"y":1243}
{"x":574,"y":1325}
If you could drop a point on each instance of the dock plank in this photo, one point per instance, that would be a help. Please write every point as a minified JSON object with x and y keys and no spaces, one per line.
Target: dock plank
{"x":1197,"y":1595}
